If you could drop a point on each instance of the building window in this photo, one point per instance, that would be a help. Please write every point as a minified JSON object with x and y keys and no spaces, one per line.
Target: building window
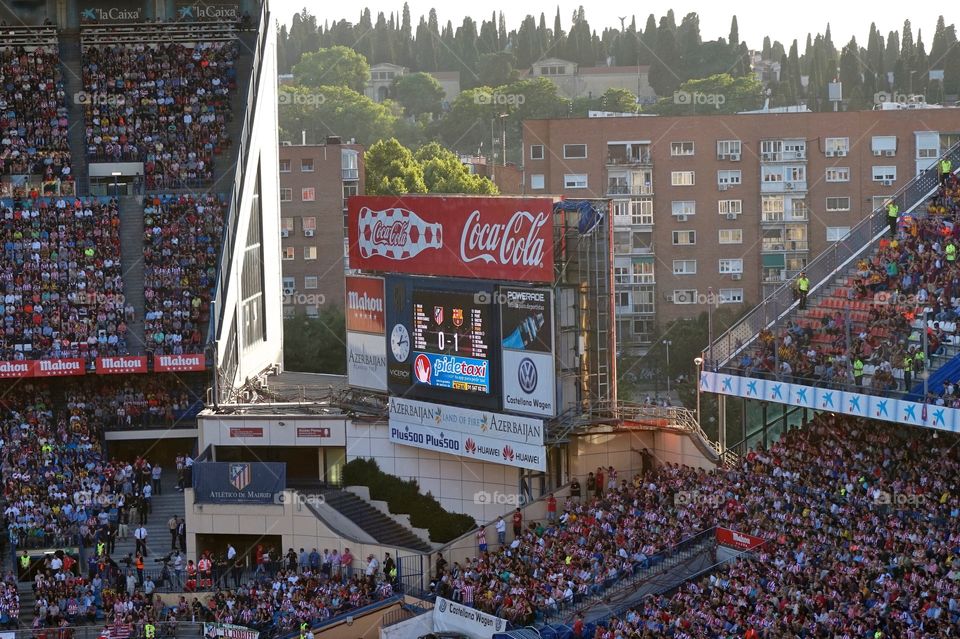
{"x":771,"y":208}
{"x":772,"y":173}
{"x":731,"y":236}
{"x":623,"y":299}
{"x":349,"y":164}
{"x":312,"y":311}
{"x":286,"y":195}
{"x":837,"y":147}
{"x":838,"y":204}
{"x":536,"y":151}
{"x":306,"y":165}
{"x":621,"y":275}
{"x":728,"y":150}
{"x":575,"y":181}
{"x":838,"y":174}
{"x":289,"y":253}
{"x":728,"y":178}
{"x":621,"y":212}
{"x":771,"y":150}
{"x":730,"y":207}
{"x":643,"y":272}
{"x":683,"y":207}
{"x":310,"y":282}
{"x":685,"y":296}
{"x":289,"y":285}
{"x":641,"y":212}
{"x":681,"y":148}
{"x":309,"y":226}
{"x":682,"y":178}
{"x":884,"y":173}
{"x":684,"y":267}
{"x":884,"y":145}
{"x":286,"y":226}
{"x":837,"y":233}
{"x":349,"y":190}
{"x":308,"y":194}
{"x":684,"y":238}
{"x":728,"y":267}
{"x":284,"y":166}
{"x":574,"y":151}
{"x":536,"y":181}
{"x":309,"y":252}
{"x":730,"y":296}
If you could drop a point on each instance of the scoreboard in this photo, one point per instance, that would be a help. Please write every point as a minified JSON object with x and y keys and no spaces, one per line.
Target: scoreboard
{"x":450,"y":340}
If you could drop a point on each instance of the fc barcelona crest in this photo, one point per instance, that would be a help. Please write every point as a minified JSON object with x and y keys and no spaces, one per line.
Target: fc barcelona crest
{"x":458,"y":317}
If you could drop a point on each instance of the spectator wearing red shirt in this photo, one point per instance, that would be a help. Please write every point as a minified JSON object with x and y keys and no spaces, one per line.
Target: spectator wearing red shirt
{"x":551,"y":508}
{"x":517,"y":522}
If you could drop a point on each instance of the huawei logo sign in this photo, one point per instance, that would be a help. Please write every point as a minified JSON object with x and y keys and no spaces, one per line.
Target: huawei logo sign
{"x":508,"y":453}
{"x":470,"y":446}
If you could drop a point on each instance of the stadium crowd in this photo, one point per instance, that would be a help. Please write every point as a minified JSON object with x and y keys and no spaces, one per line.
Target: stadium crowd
{"x":61,"y":279}
{"x":181,"y":244}
{"x":33,"y":115}
{"x":138,"y":400}
{"x":913,"y":276}
{"x":167,"y":105}
{"x":863,"y":527}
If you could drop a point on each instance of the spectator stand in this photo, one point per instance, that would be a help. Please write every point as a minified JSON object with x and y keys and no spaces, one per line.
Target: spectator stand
{"x":34,"y":145}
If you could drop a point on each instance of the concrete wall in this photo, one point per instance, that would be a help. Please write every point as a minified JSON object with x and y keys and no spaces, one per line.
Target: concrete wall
{"x":365,"y":627}
{"x":298,"y":526}
{"x":413,"y":627}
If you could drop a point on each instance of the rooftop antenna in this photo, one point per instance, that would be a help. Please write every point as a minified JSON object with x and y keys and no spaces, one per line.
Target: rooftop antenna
{"x":623,"y":20}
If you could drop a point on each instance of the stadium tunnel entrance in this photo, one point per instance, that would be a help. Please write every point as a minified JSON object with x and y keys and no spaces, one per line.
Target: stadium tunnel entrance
{"x":306,"y":465}
{"x":246,"y":546}
{"x":162,"y":450}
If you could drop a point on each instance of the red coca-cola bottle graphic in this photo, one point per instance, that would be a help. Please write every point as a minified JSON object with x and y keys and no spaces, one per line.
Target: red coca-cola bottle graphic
{"x":396,"y":233}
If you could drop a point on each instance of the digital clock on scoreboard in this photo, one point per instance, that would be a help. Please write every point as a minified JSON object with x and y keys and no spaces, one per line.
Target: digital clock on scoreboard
{"x":450,"y":340}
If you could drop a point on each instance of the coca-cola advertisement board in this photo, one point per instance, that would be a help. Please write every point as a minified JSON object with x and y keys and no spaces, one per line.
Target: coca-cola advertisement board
{"x":364,"y":304}
{"x":501,"y":238}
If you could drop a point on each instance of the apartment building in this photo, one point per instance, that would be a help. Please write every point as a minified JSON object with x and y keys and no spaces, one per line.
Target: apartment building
{"x":315,"y":182}
{"x":723,"y":209}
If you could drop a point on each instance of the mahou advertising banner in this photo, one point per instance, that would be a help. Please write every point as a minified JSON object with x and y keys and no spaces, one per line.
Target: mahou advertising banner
{"x":124,"y":364}
{"x":503,"y":238}
{"x":179,"y":363}
{"x":738,"y":540}
{"x":364,"y":307}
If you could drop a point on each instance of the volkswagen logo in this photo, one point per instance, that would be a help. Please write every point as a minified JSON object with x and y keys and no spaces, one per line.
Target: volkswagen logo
{"x":442,"y":605}
{"x":527,"y":375}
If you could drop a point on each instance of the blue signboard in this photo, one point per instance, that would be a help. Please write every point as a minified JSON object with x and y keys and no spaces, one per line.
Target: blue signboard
{"x":239,"y":482}
{"x":451,"y":371}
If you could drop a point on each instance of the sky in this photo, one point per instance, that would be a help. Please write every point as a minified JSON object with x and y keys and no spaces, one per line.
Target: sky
{"x":782,"y":21}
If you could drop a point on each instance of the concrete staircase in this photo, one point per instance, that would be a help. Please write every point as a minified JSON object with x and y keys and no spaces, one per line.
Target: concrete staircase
{"x":376,"y":524}
{"x":131,"y":261}
{"x":165,"y":505}
{"x":71,"y":68}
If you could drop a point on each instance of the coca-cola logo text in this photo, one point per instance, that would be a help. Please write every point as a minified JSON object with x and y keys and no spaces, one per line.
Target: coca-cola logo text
{"x":395,"y":234}
{"x":516,"y":243}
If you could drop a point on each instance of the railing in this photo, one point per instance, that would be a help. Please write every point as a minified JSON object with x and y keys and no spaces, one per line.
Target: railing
{"x":822,"y":270}
{"x":178,"y":629}
{"x":233,"y":213}
{"x":642,"y":572}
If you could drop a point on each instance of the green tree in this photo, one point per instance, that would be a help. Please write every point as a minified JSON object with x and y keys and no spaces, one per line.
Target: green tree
{"x":497,"y":68}
{"x":335,"y":66}
{"x":316,"y":345}
{"x":466,"y":127}
{"x":618,"y":100}
{"x":391,"y":169}
{"x":330,"y":110}
{"x":418,"y":93}
{"x":721,"y":93}
{"x":664,"y":72}
{"x":443,"y":172}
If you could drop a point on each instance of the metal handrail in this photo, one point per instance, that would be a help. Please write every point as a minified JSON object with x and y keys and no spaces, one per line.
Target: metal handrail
{"x":822,"y":270}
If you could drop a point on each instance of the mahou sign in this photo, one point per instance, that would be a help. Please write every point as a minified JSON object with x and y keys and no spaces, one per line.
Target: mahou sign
{"x":504,"y":238}
{"x":177,"y":363}
{"x":364,"y":307}
{"x":122,"y":364}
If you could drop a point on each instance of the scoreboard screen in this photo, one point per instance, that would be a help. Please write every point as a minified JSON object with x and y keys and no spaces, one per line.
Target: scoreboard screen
{"x":450,"y":331}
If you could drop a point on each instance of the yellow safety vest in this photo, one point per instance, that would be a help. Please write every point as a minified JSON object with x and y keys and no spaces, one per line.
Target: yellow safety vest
{"x":24,"y":562}
{"x":803,"y":284}
{"x":951,"y":252}
{"x":892,"y":210}
{"x":858,"y":367}
{"x":101,"y":548}
{"x":149,"y":631}
{"x":946,"y":166}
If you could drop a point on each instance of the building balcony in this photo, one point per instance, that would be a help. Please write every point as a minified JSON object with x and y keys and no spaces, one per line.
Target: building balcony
{"x":783,"y":187}
{"x":634,"y":160}
{"x":779,"y":246}
{"x":350,"y":174}
{"x":767,"y":157}
{"x":629,"y":189}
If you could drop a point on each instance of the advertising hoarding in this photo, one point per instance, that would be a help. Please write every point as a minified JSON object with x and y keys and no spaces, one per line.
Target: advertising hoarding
{"x":502,"y":238}
{"x":366,"y":342}
{"x":529,"y":371}
{"x":238,"y":482}
{"x":481,"y":435}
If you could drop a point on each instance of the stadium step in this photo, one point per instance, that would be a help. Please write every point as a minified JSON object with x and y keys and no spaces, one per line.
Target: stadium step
{"x":378,"y":525}
{"x":71,"y":70}
{"x":131,"y":261}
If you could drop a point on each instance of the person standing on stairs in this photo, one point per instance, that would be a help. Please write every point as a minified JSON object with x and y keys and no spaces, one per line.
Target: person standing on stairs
{"x":140,"y":535}
{"x":893,"y":213}
{"x":803,"y":288}
{"x":172,"y":526}
{"x":182,"y":533}
{"x":155,"y":474}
